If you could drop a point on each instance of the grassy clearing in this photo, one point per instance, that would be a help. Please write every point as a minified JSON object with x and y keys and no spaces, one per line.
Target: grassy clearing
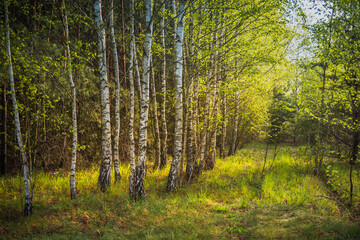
{"x":234,"y":201}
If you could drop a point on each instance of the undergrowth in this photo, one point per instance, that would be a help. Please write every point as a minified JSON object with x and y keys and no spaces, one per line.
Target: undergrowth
{"x":234,"y":201}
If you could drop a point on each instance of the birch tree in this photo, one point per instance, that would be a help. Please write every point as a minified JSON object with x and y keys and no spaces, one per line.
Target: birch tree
{"x":132,"y":103}
{"x":117,"y":95}
{"x":223,"y":65}
{"x":224,"y":126}
{"x":192,"y":164}
{"x":210,"y":160}
{"x":73,"y":103}
{"x":28,"y":199}
{"x":106,"y":155}
{"x":156,"y":119}
{"x":174,"y":170}
{"x":163,"y":155}
{"x":232,"y":149}
{"x":139,"y":191}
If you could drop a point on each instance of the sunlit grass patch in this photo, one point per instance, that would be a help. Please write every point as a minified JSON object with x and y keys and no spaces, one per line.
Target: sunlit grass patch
{"x":235,"y":200}
{"x":289,"y":188}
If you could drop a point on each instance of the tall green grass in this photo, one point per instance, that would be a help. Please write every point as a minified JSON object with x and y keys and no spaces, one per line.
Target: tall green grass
{"x":235,"y":200}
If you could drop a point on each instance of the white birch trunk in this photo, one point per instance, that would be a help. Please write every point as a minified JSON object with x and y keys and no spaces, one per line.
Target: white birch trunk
{"x":74,"y":117}
{"x":163,"y":155}
{"x":205,"y":141}
{"x":144,"y":108}
{"x":191,"y":124}
{"x":132,"y":103}
{"x":185,"y":112}
{"x":28,"y":200}
{"x":210,"y":164}
{"x":138,"y":82}
{"x":106,"y":155}
{"x":233,"y":144}
{"x":223,"y":135}
{"x":191,"y":149}
{"x":156,"y":119}
{"x":173,"y":175}
{"x":117,"y":96}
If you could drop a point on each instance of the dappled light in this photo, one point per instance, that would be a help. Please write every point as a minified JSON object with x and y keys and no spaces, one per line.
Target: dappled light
{"x":175,"y":119}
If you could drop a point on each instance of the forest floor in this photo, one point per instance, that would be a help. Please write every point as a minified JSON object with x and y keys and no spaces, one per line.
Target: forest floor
{"x":234,"y":201}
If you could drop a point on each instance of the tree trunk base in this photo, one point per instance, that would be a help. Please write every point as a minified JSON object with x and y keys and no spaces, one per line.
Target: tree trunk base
{"x":139,"y":188}
{"x":171,"y":185}
{"x":104,"y":178}
{"x":117,"y":176}
{"x":163,"y":162}
{"x":28,"y":206}
{"x":73,"y":194}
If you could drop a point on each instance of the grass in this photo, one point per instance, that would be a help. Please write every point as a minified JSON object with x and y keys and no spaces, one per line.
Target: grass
{"x":234,"y":201}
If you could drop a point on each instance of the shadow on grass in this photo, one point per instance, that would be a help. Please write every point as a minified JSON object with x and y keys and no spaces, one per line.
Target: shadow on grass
{"x":234,"y":201}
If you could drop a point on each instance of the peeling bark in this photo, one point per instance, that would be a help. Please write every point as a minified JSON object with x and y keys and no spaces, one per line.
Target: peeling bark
{"x":28,"y":199}
{"x":191,"y":149}
{"x":173,"y":175}
{"x":132,"y":103}
{"x":106,"y":155}
{"x":191,"y":163}
{"x":117,"y":96}
{"x":139,"y":192}
{"x":74,"y":116}
{"x":156,"y":119}
{"x":163,"y":155}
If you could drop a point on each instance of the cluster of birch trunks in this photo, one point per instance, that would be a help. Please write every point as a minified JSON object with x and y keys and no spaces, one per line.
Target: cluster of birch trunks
{"x":199,"y":125}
